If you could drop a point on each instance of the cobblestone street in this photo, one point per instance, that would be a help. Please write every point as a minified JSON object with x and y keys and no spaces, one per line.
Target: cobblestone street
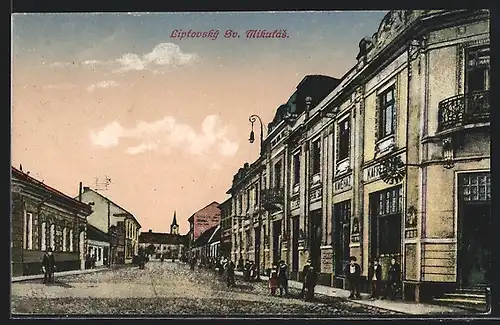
{"x":169,"y":289}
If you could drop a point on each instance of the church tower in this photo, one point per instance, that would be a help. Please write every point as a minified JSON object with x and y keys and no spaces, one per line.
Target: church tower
{"x":174,"y":227}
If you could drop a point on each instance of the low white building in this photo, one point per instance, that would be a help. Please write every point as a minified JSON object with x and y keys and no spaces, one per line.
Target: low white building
{"x":98,"y":245}
{"x":156,"y":244}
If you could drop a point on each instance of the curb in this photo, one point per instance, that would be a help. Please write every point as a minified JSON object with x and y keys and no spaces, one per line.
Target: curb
{"x":57,"y":275}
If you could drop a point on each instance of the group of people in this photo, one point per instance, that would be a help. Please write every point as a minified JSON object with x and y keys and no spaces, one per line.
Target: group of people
{"x":223,"y":266}
{"x":380,"y":287}
{"x":278,"y":278}
{"x":249,"y":270}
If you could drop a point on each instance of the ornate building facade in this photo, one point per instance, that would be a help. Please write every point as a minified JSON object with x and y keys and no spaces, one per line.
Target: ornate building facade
{"x":391,"y":163}
{"x":42,"y":218}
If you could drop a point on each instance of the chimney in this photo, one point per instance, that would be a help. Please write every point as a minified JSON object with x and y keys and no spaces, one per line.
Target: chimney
{"x":80,"y":192}
{"x":150,"y":231}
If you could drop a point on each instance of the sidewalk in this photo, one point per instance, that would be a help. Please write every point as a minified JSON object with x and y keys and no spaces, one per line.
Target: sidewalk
{"x":405,"y":307}
{"x":59,"y":274}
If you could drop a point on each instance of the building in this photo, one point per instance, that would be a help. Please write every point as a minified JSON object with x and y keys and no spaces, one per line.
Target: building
{"x":98,"y":245}
{"x":109,"y":215}
{"x":226,"y":227}
{"x":169,"y":245}
{"x":44,"y":217}
{"x":390,"y":164}
{"x":207,"y":245}
{"x":157,"y":244}
{"x":202,"y":220}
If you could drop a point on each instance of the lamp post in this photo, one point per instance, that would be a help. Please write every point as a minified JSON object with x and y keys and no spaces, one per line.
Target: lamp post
{"x":253,"y":118}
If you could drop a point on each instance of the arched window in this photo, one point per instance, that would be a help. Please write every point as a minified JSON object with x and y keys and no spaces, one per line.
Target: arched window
{"x":43,"y":240}
{"x":53,"y":236}
{"x":64,"y":239}
{"x":71,"y":240}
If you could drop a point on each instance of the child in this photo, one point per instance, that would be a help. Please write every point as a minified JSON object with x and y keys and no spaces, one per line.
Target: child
{"x":273,"y":280}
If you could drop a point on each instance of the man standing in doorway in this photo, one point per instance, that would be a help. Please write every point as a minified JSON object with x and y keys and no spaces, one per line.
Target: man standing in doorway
{"x":48,"y":266}
{"x":353,"y":273}
{"x":375,"y":278}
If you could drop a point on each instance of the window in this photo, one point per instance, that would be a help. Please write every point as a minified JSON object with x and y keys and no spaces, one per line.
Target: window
{"x":64,"y":240}
{"x":71,"y":240}
{"x":256,"y":189}
{"x":28,"y":231}
{"x":277,"y":175}
{"x":43,"y":237}
{"x":53,"y":236}
{"x":478,"y":70}
{"x":316,"y":157}
{"x":240,"y":204}
{"x":344,"y":139}
{"x":248,"y":199}
{"x":296,"y":169}
{"x":476,"y":187}
{"x":387,"y":215}
{"x":387,"y":113}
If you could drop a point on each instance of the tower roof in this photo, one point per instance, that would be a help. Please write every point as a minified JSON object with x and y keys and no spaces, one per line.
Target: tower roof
{"x":174,"y":222}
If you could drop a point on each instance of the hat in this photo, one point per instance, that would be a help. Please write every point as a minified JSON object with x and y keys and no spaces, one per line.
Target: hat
{"x":352,"y":258}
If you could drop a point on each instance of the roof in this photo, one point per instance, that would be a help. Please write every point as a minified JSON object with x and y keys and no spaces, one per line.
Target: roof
{"x":215,"y":236}
{"x":96,"y":234}
{"x":160,"y":238}
{"x":208,"y":205}
{"x":205,"y":237}
{"x":31,"y":180}
{"x":86,"y":188}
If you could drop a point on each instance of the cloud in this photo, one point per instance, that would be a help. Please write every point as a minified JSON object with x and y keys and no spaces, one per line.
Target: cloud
{"x":161,"y":56}
{"x":103,"y":84}
{"x":166,"y":134}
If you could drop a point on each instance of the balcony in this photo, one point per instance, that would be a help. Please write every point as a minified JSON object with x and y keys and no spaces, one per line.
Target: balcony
{"x":461,"y":110}
{"x":273,"y":198}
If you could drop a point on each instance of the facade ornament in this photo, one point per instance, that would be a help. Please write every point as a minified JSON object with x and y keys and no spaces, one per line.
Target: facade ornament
{"x":355,"y":226}
{"x":411,"y":217}
{"x":392,"y":170}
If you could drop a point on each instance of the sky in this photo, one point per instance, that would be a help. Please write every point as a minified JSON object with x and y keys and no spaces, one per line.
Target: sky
{"x":166,"y":119}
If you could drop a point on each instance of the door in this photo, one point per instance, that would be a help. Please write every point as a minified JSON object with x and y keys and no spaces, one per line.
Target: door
{"x":295,"y":244}
{"x":276,"y":241}
{"x":341,"y":228}
{"x":474,"y":248}
{"x":316,"y":236}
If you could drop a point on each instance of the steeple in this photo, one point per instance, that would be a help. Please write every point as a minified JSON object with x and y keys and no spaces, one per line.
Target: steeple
{"x":174,"y":227}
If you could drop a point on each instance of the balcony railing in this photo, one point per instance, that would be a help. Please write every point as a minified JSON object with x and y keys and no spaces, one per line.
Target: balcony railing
{"x":273,"y":198}
{"x":465,"y":109}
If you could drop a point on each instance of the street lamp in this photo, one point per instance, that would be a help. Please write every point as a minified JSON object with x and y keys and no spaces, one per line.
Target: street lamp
{"x":253,"y":118}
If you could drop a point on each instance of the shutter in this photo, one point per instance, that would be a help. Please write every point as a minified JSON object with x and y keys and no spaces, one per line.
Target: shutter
{"x":377,"y":117}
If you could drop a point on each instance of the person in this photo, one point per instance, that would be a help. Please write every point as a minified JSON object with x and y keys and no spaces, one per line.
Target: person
{"x":93,"y":260}
{"x":305,"y":270}
{"x":375,"y":278}
{"x":283,"y":278}
{"x":48,"y":266}
{"x":192,"y":262}
{"x":246,"y":270}
{"x":310,"y":281}
{"x":273,"y":279}
{"x":252,"y":271}
{"x":162,"y":257}
{"x":230,"y":273}
{"x":393,"y":279}
{"x":353,"y":274}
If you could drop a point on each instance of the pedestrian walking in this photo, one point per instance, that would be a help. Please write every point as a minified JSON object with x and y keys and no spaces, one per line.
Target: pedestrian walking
{"x":305,"y":270}
{"x":246,"y":270}
{"x":230,"y":274}
{"x":48,"y":266}
{"x":283,"y":278}
{"x":375,"y":278}
{"x":310,"y":280}
{"x":192,"y":263}
{"x":273,"y":280}
{"x":253,"y":271}
{"x":393,"y":280}
{"x":353,"y":274}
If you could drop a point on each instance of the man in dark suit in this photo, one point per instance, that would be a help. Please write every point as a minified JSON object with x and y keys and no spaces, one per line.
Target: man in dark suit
{"x":375,"y":278}
{"x":48,"y":266}
{"x":393,"y":279}
{"x":353,"y":274}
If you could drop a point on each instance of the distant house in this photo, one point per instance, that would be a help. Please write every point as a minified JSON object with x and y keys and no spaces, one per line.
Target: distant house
{"x":202,"y":220}
{"x":44,"y":217}
{"x":207,"y":245}
{"x":108,"y":215}
{"x":98,"y":245}
{"x":156,"y":244}
{"x":226,"y":226}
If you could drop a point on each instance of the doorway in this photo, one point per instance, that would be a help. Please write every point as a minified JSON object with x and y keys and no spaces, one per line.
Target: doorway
{"x":276,"y":241}
{"x":295,"y":244}
{"x":474,"y":222}
{"x":342,"y":217}
{"x":315,"y":237}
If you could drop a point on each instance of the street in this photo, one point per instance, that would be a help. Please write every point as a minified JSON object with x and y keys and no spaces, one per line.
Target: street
{"x":169,"y":289}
